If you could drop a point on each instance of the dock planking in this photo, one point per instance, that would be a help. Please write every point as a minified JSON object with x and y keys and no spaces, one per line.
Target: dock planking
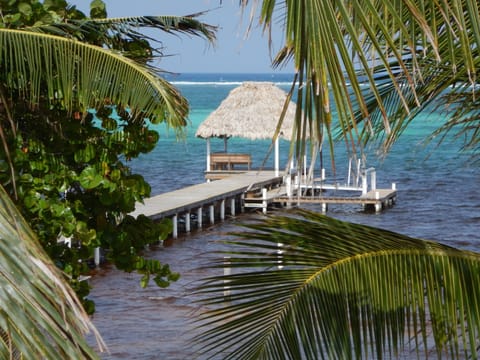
{"x":249,"y":189}
{"x":200,"y":195}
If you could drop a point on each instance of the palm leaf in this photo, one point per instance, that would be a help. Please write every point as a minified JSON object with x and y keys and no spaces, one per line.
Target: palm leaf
{"x":306,"y":286}
{"x":83,"y":76}
{"x":40,"y":316}
{"x":420,"y":47}
{"x":170,"y":24}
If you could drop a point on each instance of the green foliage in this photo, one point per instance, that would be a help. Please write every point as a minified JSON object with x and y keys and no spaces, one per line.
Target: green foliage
{"x":307,"y":286}
{"x":41,"y":317}
{"x":71,"y":183}
{"x":66,"y":168}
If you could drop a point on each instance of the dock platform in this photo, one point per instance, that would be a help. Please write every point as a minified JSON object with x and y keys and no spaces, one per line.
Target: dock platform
{"x":377,"y":200}
{"x":207,"y":202}
{"x":216,"y":196}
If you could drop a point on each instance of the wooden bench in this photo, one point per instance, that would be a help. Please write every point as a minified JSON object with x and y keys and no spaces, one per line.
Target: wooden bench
{"x":228,"y":161}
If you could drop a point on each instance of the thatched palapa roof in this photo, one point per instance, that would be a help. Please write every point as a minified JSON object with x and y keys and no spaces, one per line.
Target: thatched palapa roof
{"x":250,"y":111}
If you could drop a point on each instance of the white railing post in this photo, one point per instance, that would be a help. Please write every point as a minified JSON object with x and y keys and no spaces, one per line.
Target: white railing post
{"x":288,"y":185}
{"x":364,"y":184}
{"x":373,"y":180}
{"x":264,"y":200}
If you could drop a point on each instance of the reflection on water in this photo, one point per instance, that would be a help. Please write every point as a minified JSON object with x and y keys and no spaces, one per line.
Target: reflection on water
{"x":155,"y":323}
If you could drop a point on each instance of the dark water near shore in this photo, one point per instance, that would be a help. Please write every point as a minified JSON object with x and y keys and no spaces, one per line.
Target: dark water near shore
{"x":438,"y":199}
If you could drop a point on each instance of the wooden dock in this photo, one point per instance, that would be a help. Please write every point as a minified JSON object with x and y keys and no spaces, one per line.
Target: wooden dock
{"x":377,"y":200}
{"x":217,"y":197}
{"x":210,"y":201}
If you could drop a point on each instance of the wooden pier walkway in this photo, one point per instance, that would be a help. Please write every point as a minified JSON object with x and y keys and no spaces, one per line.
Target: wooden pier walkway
{"x":249,"y":189}
{"x":216,"y":195}
{"x":378,"y":199}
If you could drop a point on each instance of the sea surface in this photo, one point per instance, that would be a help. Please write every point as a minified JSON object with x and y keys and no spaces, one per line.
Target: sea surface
{"x":438,"y":199}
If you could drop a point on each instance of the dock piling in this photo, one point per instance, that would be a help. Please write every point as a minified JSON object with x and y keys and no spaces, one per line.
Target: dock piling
{"x":222,"y":210}
{"x":212,"y":214}
{"x":199,"y":217}
{"x":175,"y":226}
{"x":187,"y":222}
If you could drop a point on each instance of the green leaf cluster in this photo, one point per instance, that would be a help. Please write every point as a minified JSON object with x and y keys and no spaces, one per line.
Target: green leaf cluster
{"x":72,"y":183}
{"x":306,"y":286}
{"x":76,"y":98}
{"x":41,"y":317}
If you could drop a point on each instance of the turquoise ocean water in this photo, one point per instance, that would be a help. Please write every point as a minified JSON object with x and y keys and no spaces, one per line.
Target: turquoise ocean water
{"x":438,"y":199}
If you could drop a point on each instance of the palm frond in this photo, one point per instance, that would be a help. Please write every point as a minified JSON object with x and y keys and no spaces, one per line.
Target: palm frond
{"x":188,"y":25}
{"x":83,"y":76}
{"x":306,"y":286}
{"x":40,"y":316}
{"x":420,"y":47}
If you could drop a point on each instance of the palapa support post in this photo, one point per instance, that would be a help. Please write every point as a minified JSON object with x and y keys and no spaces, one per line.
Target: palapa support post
{"x":209,"y":165}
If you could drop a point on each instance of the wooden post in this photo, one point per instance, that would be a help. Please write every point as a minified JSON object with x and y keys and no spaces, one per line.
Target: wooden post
{"x":232,"y":206}
{"x":222,"y":210}
{"x":208,"y":154}
{"x":187,"y":222}
{"x":277,"y":156}
{"x":175,"y":226}
{"x":288,"y":185}
{"x":364,"y":184}
{"x":324,"y":207}
{"x":96,"y":256}
{"x":264,"y":200}
{"x":373,"y":180}
{"x":212,"y":214}
{"x":199,"y":217}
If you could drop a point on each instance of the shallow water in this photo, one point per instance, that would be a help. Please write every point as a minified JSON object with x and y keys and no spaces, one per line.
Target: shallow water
{"x":438,"y":199}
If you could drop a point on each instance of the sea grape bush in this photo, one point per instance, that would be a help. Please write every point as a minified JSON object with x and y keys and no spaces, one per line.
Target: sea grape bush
{"x":67,"y":170}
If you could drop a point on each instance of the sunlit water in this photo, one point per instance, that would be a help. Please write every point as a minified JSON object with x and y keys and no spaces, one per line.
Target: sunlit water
{"x":438,"y":199}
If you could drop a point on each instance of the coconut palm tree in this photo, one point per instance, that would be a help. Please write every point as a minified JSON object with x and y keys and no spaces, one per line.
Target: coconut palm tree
{"x":306,"y":286}
{"x":41,"y":317}
{"x":374,"y":65}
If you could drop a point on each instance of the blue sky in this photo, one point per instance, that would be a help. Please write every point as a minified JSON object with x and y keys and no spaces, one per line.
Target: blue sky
{"x":232,"y":52}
